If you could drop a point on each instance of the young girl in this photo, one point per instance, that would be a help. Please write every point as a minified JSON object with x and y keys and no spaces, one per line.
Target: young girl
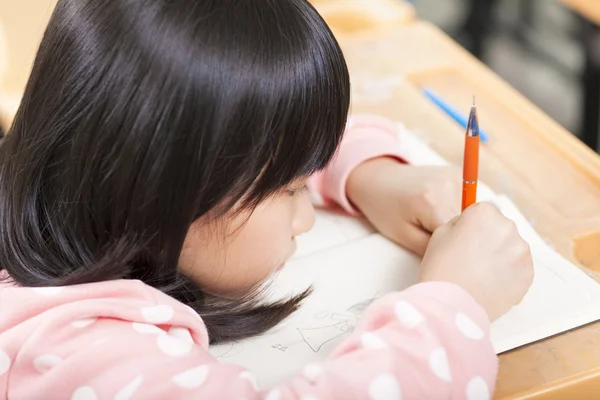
{"x":154,"y":178}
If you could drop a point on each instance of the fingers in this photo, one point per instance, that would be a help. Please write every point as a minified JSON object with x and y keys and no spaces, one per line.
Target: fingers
{"x":416,"y":239}
{"x":436,"y":218}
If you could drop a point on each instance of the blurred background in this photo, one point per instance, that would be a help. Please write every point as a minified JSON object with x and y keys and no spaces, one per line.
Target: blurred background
{"x":535,"y":45}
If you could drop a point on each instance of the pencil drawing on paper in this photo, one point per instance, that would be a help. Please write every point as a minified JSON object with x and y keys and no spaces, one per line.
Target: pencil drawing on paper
{"x":329,"y":327}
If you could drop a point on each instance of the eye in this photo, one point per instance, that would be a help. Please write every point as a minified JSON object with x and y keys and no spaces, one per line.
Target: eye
{"x":297,"y":191}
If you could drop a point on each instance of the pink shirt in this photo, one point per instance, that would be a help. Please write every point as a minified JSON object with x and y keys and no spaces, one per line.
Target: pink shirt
{"x":125,"y":340}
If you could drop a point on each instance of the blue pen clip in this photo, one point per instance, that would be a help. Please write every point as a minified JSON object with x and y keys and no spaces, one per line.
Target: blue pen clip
{"x":458,"y":117}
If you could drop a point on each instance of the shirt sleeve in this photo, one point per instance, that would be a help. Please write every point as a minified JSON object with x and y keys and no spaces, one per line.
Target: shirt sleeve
{"x":366,"y":137}
{"x":429,"y":341}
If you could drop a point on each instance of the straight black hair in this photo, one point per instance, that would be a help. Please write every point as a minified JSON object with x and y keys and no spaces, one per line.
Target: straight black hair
{"x":140,"y":116}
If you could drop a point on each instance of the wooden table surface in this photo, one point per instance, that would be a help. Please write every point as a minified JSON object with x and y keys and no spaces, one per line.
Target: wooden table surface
{"x":551,"y":176}
{"x":589,"y":9}
{"x":348,"y":16}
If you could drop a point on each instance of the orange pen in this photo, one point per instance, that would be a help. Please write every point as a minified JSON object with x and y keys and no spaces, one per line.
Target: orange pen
{"x":471,"y":160}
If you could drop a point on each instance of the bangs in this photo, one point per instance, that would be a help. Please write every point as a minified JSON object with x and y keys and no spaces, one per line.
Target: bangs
{"x":301,"y":82}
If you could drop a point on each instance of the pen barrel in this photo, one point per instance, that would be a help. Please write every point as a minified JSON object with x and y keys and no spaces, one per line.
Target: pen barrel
{"x":471,"y":160}
{"x":469,"y":195}
{"x":470,"y":171}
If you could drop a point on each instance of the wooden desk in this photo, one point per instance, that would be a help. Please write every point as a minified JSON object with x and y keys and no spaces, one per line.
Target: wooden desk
{"x":350,"y":16}
{"x":552,"y":177}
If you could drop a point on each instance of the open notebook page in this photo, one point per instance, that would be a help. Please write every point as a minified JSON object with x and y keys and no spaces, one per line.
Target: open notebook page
{"x":349,"y":265}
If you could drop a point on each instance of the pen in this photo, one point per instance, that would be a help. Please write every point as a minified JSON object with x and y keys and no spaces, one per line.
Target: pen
{"x":451,"y":111}
{"x":471,"y":160}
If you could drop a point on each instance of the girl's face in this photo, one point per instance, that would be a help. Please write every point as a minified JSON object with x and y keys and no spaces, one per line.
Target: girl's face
{"x":229,"y":255}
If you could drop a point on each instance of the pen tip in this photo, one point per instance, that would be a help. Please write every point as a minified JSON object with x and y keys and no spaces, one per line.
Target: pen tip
{"x":473,"y":100}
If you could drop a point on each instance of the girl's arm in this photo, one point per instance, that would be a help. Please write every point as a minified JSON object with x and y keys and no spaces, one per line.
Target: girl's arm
{"x":366,"y":137}
{"x":404,"y":203}
{"x":430,"y":341}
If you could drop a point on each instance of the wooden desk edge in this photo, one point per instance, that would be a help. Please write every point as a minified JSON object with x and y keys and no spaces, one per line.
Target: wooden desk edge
{"x":582,"y":384}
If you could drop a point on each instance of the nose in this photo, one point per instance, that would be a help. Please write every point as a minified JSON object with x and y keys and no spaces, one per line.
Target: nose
{"x":304,"y":216}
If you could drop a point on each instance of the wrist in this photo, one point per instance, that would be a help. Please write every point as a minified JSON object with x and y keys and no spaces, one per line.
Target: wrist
{"x":365,"y":176}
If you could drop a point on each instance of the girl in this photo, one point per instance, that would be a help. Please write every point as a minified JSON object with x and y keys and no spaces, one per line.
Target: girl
{"x":154,"y":178}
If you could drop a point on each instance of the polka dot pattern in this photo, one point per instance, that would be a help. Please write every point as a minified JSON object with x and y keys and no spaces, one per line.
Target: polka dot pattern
{"x":408,"y":314}
{"x":155,"y":330}
{"x":147,"y":329}
{"x":192,"y":378}
{"x":182,"y":334}
{"x":371,"y":340}
{"x":274,"y":394}
{"x":173,"y":346}
{"x":129,"y":390}
{"x":84,"y":393}
{"x":477,"y":389}
{"x":438,"y":363}
{"x":468,"y":328}
{"x":46,"y":362}
{"x":249,"y":377}
{"x":385,"y":387}
{"x":193,"y":312}
{"x":157,"y":314}
{"x":312,"y":372}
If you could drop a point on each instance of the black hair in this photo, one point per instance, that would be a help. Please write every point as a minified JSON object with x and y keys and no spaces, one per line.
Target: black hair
{"x":140,"y":116}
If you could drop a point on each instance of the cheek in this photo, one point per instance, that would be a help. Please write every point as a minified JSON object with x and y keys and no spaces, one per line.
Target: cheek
{"x":231,"y":260}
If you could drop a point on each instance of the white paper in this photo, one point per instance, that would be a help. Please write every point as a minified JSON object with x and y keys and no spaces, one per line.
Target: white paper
{"x":349,"y":265}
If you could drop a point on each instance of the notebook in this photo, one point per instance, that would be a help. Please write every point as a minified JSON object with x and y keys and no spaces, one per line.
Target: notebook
{"x":349,"y":265}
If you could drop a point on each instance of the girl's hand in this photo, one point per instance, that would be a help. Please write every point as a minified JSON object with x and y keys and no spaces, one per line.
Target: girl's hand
{"x":482,"y":252}
{"x":405,"y":203}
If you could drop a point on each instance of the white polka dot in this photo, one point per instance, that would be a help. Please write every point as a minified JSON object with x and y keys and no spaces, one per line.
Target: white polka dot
{"x":84,"y":393}
{"x":248,"y":376}
{"x":157,"y":314}
{"x":370,"y":340}
{"x":274,"y":394}
{"x":192,"y":378}
{"x":181,"y":333}
{"x":82,"y":323}
{"x":477,"y":389}
{"x":193,"y":312}
{"x":312,"y":372}
{"x":48,"y":291}
{"x":46,"y":362}
{"x":173,"y":346}
{"x":147,"y":329}
{"x":385,"y":387}
{"x":128,"y":391}
{"x":407,"y":314}
{"x":468,"y":327}
{"x":438,"y":362}
{"x":309,"y":397}
{"x":4,"y":362}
